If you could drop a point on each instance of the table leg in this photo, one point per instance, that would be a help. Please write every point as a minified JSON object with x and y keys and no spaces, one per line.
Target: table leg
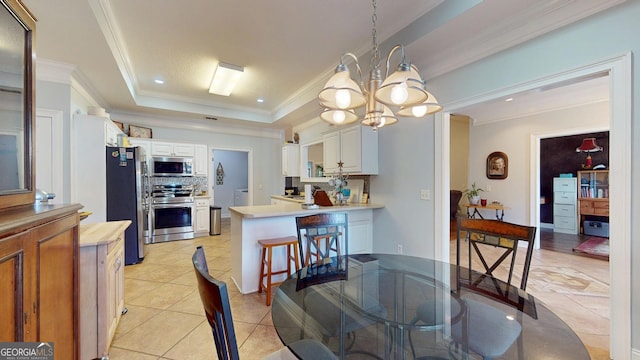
{"x":475,"y":212}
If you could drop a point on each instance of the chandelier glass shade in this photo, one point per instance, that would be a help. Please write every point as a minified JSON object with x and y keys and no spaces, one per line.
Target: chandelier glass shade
{"x":402,"y":93}
{"x":429,"y":106}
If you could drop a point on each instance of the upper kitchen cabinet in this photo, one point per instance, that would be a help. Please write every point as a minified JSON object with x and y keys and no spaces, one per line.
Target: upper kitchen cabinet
{"x":143,"y":143}
{"x":356,"y":147}
{"x":159,"y":148}
{"x":200,"y":160}
{"x":291,"y":160}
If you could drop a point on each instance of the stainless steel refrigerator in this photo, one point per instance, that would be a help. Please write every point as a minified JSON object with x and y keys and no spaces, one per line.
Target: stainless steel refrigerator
{"x":125,"y":196}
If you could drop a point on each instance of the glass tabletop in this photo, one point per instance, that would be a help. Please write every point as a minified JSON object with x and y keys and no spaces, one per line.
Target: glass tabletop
{"x":396,"y":306}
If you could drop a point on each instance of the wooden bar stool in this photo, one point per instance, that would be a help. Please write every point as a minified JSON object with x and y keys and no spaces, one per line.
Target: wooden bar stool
{"x":267,"y":254}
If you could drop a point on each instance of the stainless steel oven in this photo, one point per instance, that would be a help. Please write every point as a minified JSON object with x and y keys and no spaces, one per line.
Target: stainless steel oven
{"x":171,"y":215}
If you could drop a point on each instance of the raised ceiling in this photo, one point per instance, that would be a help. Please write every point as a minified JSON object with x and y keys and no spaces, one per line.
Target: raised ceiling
{"x":289,"y":48}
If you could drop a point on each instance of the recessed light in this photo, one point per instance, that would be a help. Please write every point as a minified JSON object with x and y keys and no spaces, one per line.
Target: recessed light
{"x":508,"y":99}
{"x":158,"y":81}
{"x":260,"y":100}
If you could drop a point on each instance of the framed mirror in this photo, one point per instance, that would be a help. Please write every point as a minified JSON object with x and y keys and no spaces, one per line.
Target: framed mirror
{"x":17,"y":178}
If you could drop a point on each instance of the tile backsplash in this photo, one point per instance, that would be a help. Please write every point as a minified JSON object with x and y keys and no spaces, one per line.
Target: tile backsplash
{"x":198,"y":182}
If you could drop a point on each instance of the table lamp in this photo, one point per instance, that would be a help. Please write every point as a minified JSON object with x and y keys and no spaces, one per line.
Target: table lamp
{"x":588,"y":146}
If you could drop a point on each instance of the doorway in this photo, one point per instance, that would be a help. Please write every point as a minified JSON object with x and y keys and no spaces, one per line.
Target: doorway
{"x":558,"y":157}
{"x":619,"y":69}
{"x":229,"y":179}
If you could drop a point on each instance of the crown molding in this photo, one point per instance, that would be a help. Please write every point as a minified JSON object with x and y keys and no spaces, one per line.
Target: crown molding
{"x":197,"y":125}
{"x":54,"y":71}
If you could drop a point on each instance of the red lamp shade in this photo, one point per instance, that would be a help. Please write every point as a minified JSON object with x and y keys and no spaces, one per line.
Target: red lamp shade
{"x":589,"y":145}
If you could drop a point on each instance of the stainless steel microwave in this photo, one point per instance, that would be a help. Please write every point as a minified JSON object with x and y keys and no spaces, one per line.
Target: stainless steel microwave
{"x":172,"y":166}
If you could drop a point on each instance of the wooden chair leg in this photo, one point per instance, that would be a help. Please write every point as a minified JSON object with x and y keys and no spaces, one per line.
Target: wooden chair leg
{"x":270,"y":253}
{"x":262,"y":264}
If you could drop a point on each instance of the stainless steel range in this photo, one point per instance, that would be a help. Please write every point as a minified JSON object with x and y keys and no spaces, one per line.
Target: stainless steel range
{"x":172,"y":213}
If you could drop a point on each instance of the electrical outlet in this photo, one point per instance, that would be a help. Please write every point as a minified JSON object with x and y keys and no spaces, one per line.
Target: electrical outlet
{"x":400,"y":249}
{"x":488,"y":187}
{"x":425,"y":194}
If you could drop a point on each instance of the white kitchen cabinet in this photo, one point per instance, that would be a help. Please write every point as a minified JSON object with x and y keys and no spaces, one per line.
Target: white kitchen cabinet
{"x":356,"y":147}
{"x":101,"y":284}
{"x":565,"y":202}
{"x":111,"y":133}
{"x":200,"y":160}
{"x":291,"y":160}
{"x":88,"y":171}
{"x":143,"y":143}
{"x":161,"y":148}
{"x":201,"y":226}
{"x":360,"y":232}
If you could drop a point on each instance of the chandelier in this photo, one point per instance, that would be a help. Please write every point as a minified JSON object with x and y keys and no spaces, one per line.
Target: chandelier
{"x":404,"y":91}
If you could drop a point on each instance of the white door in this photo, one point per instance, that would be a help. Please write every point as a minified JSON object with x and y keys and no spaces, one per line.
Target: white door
{"x":48,"y":152}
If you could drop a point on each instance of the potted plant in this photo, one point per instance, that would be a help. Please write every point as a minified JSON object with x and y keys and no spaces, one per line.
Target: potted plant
{"x":473,"y":194}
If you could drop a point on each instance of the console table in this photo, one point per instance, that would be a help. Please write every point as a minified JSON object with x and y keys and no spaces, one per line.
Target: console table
{"x":499,"y":208}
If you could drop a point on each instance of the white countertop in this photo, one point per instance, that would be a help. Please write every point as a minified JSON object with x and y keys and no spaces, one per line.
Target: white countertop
{"x":264,"y":211}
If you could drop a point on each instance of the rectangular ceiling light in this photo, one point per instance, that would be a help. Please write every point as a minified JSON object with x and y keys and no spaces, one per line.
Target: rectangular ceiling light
{"x":225,"y":79}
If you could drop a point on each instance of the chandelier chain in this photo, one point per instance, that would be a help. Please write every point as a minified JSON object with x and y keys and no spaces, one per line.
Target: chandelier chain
{"x":375,"y":55}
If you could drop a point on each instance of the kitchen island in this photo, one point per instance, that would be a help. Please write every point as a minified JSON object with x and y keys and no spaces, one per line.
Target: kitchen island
{"x":252,"y":223}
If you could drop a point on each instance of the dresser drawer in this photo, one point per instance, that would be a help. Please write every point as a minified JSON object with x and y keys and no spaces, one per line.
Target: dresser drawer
{"x":564,"y":197}
{"x":601,"y":208}
{"x":565,"y":184}
{"x":564,"y":210}
{"x":202,"y":202}
{"x":564,"y":223}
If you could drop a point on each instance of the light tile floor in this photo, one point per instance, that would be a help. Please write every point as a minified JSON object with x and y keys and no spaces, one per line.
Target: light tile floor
{"x":166,"y":321}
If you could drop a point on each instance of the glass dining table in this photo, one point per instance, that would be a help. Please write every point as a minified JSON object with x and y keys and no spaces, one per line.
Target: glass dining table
{"x":385,"y":306}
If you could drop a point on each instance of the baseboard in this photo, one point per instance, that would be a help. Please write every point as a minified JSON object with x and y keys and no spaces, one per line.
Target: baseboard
{"x":546,"y":226}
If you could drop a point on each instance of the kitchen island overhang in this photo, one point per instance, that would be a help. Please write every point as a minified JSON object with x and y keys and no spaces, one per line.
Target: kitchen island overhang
{"x":252,"y":223}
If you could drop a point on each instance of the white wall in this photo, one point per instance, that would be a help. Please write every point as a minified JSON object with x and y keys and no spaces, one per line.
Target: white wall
{"x":513,"y":138}
{"x":406,"y":162}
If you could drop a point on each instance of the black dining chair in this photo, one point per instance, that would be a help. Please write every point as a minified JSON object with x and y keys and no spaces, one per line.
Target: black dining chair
{"x":215,"y":300}
{"x":324,"y":241}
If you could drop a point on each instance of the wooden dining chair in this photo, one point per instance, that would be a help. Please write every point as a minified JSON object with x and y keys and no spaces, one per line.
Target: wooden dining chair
{"x":215,"y":300}
{"x":322,"y":236}
{"x":323,"y":240}
{"x":487,"y":330}
{"x":481,"y":234}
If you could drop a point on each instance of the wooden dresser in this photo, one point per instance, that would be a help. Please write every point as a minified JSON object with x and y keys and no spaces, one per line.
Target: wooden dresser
{"x":593,"y":195}
{"x":39,"y":272}
{"x":101,"y":285}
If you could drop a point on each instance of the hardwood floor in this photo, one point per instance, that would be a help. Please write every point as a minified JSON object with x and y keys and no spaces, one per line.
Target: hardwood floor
{"x":554,"y":241}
